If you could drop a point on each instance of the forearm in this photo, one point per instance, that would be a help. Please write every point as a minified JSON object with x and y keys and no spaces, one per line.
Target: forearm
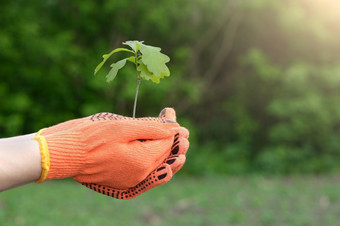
{"x":20,"y":161}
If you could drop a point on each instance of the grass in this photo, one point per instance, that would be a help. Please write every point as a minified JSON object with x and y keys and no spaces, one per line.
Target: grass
{"x":252,"y":200}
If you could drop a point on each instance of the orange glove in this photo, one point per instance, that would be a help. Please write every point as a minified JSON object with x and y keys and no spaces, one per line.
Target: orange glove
{"x":114,"y":155}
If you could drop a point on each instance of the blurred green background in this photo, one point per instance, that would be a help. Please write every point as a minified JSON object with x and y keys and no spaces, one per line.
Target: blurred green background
{"x":256,"y":82}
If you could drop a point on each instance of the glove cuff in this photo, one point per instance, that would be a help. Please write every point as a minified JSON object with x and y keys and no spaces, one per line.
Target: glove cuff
{"x":61,"y":154}
{"x":45,"y":157}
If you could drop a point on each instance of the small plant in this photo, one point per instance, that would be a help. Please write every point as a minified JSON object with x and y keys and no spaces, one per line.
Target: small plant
{"x":149,"y":62}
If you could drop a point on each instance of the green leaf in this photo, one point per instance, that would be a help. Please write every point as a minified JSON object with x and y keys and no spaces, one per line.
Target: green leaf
{"x":154,"y":60}
{"x":106,"y":56}
{"x":156,"y":79}
{"x":147,"y":75}
{"x":131,"y":59}
{"x":144,"y":72}
{"x":135,"y":45}
{"x":115,"y":67}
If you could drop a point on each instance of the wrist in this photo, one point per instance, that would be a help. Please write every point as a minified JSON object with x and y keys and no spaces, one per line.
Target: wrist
{"x":19,"y":161}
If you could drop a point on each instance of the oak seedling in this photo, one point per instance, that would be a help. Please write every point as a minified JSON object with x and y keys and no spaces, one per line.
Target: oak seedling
{"x":149,"y":62}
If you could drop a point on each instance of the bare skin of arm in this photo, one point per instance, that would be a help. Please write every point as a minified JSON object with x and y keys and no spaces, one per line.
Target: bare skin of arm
{"x":20,"y":161}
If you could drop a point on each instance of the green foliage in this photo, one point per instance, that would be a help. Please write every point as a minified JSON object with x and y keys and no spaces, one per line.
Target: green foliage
{"x":115,"y":67}
{"x":106,"y":56}
{"x":303,"y":106}
{"x":256,"y":82}
{"x":149,"y":61}
{"x":155,"y":62}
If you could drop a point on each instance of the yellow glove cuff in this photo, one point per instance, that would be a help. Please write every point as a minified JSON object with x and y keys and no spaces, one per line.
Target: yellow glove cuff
{"x":45,"y":156}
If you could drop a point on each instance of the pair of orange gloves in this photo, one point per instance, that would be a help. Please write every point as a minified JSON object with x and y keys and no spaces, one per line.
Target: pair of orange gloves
{"x":114,"y":155}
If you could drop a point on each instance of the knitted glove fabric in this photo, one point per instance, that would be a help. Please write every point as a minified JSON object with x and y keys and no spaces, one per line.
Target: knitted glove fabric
{"x":113,"y":151}
{"x":162,"y":174}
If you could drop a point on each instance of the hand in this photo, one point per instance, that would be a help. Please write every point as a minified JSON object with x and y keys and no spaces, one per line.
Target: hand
{"x":119,"y":156}
{"x":162,"y":174}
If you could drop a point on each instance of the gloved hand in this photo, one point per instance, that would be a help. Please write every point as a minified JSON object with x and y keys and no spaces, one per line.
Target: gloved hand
{"x":115,"y":155}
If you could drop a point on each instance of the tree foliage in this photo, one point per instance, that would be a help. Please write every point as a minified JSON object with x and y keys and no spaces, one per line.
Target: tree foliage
{"x":257,"y":82}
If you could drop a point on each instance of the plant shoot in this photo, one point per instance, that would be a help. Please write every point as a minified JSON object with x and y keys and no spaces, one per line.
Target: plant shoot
{"x":149,"y":62}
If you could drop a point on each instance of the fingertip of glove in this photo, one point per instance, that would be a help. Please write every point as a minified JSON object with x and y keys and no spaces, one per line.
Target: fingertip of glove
{"x":178,"y":163}
{"x":169,"y":114}
{"x":163,"y":174}
{"x":180,"y":147}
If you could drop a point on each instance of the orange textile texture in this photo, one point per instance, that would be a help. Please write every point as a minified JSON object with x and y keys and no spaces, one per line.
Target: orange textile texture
{"x":116,"y":155}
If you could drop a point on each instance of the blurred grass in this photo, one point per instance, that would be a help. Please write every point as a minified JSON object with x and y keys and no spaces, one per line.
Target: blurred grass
{"x":252,"y":200}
